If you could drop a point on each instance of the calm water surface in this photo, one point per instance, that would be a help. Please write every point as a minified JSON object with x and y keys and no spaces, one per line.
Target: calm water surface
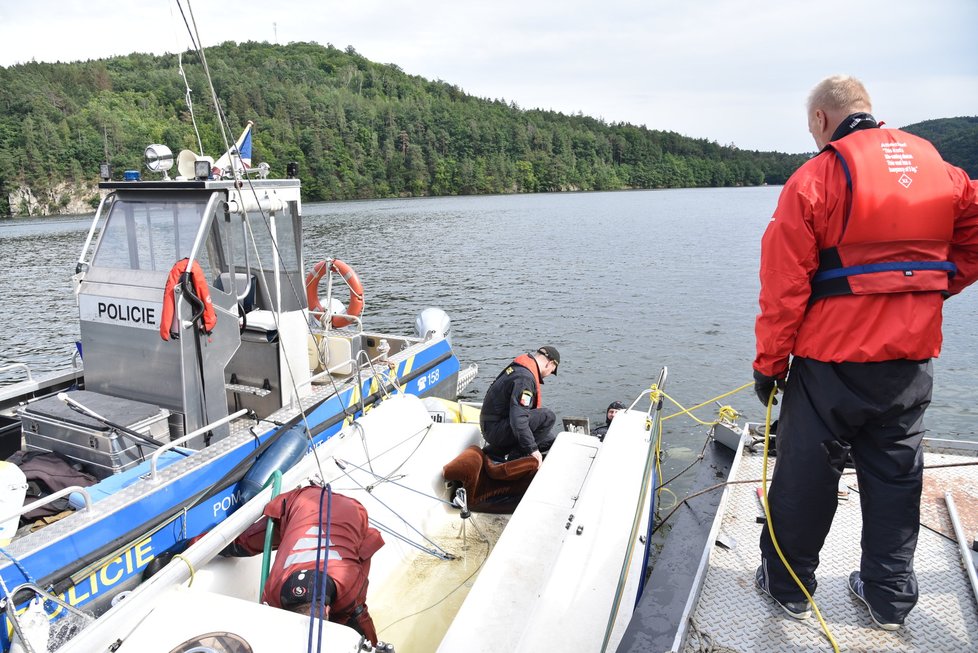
{"x":622,"y":283}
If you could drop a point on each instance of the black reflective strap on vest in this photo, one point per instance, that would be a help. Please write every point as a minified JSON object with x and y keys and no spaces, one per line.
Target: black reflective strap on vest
{"x":832,"y":278}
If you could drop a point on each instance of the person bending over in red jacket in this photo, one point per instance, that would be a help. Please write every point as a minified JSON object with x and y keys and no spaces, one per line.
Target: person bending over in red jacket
{"x":309,"y":543}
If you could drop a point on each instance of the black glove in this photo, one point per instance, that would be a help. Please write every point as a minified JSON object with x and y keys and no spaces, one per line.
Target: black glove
{"x":764,"y":384}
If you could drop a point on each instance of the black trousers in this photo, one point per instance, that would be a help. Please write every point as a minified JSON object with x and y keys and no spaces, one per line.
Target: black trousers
{"x":502,"y":441}
{"x":874,"y":410}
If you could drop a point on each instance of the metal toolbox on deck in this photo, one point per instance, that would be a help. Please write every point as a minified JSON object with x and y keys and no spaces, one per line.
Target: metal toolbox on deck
{"x":50,"y":425}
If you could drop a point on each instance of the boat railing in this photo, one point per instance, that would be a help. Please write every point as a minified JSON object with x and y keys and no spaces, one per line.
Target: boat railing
{"x":18,"y":366}
{"x":319,"y":315}
{"x":354,"y":362}
{"x":654,"y":419}
{"x":465,"y":377}
{"x":328,"y":371}
{"x":82,"y":263}
{"x":13,"y":617}
{"x":202,"y":229}
{"x":656,"y":401}
{"x":154,"y":472}
{"x":43,"y":501}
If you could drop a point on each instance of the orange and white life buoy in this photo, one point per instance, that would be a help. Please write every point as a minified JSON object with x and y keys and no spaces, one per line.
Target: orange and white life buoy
{"x":316,"y":275}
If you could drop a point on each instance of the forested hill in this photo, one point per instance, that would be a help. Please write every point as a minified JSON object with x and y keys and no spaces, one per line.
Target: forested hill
{"x":955,"y":138}
{"x":357,"y":128}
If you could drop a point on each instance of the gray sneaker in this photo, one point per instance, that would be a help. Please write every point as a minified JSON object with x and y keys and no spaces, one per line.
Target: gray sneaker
{"x":794,"y":609}
{"x":858,"y":589}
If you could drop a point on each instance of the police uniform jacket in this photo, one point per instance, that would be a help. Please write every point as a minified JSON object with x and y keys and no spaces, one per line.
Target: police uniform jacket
{"x":511,"y":397}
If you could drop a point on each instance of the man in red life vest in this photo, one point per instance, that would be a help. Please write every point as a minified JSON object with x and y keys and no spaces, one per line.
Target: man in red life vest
{"x":513,"y":421}
{"x":868,"y":239}
{"x":300,"y":537}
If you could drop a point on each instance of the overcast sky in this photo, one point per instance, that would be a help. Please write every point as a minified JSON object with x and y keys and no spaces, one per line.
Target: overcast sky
{"x":731,"y":71}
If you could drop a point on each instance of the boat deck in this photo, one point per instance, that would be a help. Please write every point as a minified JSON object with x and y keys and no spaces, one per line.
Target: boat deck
{"x":732,"y":616}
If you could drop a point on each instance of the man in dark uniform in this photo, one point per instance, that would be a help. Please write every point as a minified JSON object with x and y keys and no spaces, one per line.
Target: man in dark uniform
{"x":300,"y":536}
{"x":513,"y":421}
{"x":601,"y":431}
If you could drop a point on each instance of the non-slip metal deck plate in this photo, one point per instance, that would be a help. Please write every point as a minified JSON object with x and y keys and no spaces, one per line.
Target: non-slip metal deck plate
{"x":735,"y":617}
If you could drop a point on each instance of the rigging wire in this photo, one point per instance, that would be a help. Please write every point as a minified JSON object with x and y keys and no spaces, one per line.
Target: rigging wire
{"x":225,"y":129}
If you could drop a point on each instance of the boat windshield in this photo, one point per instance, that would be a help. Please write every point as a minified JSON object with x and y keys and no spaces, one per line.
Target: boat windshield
{"x":286,"y":246}
{"x":152,"y":235}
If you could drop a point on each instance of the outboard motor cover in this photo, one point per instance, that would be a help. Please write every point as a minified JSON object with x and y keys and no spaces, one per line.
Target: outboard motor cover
{"x":433,"y":322}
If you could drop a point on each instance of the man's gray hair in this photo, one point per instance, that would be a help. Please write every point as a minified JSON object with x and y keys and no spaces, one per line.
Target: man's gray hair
{"x":839,"y":93}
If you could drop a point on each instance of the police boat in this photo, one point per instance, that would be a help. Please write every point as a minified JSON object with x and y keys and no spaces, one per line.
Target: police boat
{"x":562,"y":572}
{"x":206,"y":360}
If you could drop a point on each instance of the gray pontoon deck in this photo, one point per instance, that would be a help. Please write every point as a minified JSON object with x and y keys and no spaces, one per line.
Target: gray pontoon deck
{"x":730,"y":615}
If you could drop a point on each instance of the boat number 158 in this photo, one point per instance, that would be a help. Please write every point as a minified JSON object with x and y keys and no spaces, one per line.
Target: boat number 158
{"x":428,"y":380}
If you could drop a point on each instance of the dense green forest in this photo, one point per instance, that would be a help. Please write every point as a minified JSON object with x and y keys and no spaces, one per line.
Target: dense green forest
{"x":358,"y":129}
{"x":955,"y":138}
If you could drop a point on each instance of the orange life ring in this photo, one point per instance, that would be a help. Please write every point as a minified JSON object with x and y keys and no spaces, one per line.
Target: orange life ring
{"x":316,"y":275}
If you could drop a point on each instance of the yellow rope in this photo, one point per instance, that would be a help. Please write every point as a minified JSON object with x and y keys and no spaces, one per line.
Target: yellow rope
{"x":688,"y":411}
{"x":725,"y":414}
{"x":189,"y":566}
{"x":675,"y":499}
{"x":770,"y":525}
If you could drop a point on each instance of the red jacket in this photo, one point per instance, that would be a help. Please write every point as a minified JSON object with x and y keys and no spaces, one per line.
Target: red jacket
{"x":352,"y":543}
{"x":879,"y":322}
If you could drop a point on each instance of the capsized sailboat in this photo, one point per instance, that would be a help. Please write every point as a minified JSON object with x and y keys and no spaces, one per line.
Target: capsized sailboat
{"x":446,"y":579}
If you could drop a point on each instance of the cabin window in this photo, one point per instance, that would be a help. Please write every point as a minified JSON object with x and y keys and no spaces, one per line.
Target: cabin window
{"x":152,"y":235}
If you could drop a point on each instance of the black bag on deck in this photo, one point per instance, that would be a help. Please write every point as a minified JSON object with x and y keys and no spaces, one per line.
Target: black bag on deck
{"x":47,"y":472}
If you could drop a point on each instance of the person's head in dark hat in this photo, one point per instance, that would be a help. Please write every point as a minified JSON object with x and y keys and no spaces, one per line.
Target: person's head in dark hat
{"x":550,"y":362}
{"x":613,"y":408}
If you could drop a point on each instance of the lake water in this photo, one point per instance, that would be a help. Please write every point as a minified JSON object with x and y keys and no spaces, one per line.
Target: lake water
{"x":621,"y":283}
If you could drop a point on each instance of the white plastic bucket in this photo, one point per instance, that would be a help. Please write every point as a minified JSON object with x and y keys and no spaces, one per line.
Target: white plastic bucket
{"x":13,"y":489}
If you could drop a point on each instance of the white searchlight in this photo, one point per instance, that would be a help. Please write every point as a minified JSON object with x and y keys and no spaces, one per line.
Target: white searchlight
{"x":159,"y":158}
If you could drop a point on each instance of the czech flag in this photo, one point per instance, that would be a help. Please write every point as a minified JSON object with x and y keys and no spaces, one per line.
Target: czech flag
{"x":240,"y":151}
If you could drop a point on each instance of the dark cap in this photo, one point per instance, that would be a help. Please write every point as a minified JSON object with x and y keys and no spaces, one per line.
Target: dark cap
{"x":616,"y":405}
{"x":552,"y":354}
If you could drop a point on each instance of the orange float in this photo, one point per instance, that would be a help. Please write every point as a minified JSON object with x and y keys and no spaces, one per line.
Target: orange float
{"x":319,"y":270}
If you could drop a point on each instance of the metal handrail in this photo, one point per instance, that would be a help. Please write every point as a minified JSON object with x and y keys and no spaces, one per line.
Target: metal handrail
{"x":327,"y":372}
{"x":653,"y":417}
{"x":108,"y":199}
{"x":966,"y":558}
{"x":14,"y":366}
{"x":321,"y":314}
{"x":43,"y":501}
{"x":203,"y":229}
{"x":660,"y":382}
{"x":154,"y":473}
{"x":13,"y":617}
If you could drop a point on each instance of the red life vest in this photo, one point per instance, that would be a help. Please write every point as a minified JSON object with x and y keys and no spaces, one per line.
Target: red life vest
{"x":898,"y":223}
{"x":530,"y":363}
{"x":209,"y":317}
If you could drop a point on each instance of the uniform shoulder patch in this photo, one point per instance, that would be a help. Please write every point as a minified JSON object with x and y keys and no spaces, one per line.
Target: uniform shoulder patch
{"x":509,"y":370}
{"x":526,"y":398}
